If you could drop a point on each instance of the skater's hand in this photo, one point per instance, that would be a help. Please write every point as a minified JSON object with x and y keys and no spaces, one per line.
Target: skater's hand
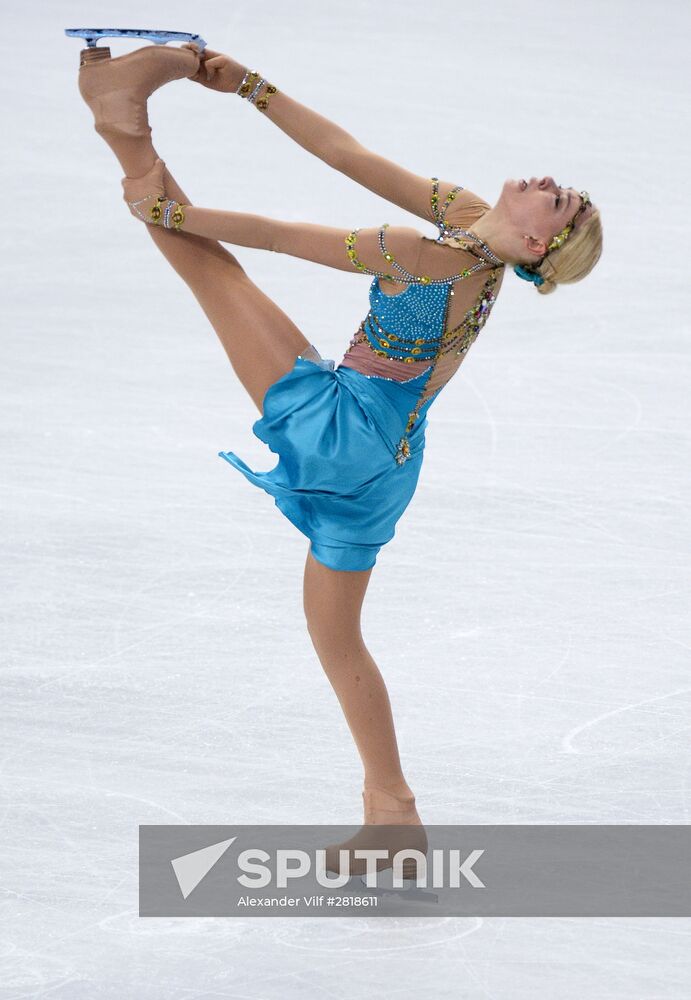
{"x":141,"y":193}
{"x":216,"y":71}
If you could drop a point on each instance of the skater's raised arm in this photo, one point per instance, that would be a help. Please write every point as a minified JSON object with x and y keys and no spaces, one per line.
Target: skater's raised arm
{"x":370,"y":251}
{"x":344,"y":249}
{"x":340,"y":150}
{"x":375,"y":250}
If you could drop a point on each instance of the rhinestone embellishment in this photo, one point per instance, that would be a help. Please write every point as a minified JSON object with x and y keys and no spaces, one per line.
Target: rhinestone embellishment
{"x":422,"y":309}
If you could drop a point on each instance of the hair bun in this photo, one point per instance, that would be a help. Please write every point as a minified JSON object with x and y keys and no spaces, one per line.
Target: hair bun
{"x":547,"y":286}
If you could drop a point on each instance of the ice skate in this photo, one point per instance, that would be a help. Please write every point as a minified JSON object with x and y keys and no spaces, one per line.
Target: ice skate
{"x":117,"y":89}
{"x":91,"y":35}
{"x":391,"y":823}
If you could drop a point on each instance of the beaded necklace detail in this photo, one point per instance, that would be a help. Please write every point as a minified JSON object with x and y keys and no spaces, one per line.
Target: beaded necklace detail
{"x":447,"y":231}
{"x":452,"y":232}
{"x":411,"y":279}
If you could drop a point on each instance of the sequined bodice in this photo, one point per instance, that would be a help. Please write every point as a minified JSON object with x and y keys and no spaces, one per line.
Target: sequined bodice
{"x":414,"y":341}
{"x":404,"y":339}
{"x":415,"y":315}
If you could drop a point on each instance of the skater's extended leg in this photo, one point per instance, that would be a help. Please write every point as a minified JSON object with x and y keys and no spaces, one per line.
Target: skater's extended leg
{"x":260,"y":340}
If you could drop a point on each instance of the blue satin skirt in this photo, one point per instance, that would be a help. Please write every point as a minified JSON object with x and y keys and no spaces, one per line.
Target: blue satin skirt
{"x":336,"y":433}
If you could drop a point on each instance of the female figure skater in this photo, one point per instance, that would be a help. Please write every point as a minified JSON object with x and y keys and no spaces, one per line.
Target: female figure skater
{"x":350,"y":438}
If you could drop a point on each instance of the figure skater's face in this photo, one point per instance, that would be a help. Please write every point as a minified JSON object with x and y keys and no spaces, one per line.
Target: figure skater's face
{"x":540,"y":207}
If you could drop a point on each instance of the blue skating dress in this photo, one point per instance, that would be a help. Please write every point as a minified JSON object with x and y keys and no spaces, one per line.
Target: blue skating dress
{"x":349,"y":445}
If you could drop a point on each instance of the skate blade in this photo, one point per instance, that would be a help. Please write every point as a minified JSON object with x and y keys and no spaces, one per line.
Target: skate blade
{"x":92,"y":35}
{"x":385,"y":881}
{"x":385,"y":888}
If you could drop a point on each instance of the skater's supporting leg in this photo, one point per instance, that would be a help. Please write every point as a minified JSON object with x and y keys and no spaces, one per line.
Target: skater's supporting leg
{"x":332,"y":604}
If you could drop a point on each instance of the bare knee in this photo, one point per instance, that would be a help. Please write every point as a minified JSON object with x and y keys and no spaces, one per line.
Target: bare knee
{"x":336,"y":644}
{"x":330,"y":626}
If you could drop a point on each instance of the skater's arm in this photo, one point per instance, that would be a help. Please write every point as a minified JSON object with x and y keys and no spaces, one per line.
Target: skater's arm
{"x":321,"y":244}
{"x":396,"y":251}
{"x":356,"y":250}
{"x":340,"y":150}
{"x":343,"y":152}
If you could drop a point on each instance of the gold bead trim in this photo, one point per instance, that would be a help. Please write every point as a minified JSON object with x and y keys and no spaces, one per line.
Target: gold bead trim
{"x":156,"y":211}
{"x":411,"y":279}
{"x":410,"y":352}
{"x":438,"y":216}
{"x":251,"y":86}
{"x":351,"y":253}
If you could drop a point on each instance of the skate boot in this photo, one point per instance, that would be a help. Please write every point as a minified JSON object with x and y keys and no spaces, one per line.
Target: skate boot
{"x":393,"y":826}
{"x":117,"y":89}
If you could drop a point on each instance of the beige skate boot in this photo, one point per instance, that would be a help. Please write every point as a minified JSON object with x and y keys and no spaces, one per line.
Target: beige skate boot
{"x":117,"y":89}
{"x":392,"y":823}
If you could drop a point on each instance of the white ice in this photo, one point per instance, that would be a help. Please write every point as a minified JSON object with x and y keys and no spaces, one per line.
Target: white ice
{"x":531,"y":615}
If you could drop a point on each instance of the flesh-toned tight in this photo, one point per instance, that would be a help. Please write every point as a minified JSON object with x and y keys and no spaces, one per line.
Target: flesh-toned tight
{"x":262,"y":343}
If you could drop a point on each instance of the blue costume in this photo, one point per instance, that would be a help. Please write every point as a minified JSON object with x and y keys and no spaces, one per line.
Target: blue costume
{"x":335,"y":431}
{"x":351,"y":445}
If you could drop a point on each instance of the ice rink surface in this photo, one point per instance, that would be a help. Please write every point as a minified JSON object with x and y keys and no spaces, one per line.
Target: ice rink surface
{"x":531,"y":615}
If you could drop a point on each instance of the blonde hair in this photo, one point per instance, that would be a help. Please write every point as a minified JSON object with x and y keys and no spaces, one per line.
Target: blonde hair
{"x":576,"y":258}
{"x":569,"y":263}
